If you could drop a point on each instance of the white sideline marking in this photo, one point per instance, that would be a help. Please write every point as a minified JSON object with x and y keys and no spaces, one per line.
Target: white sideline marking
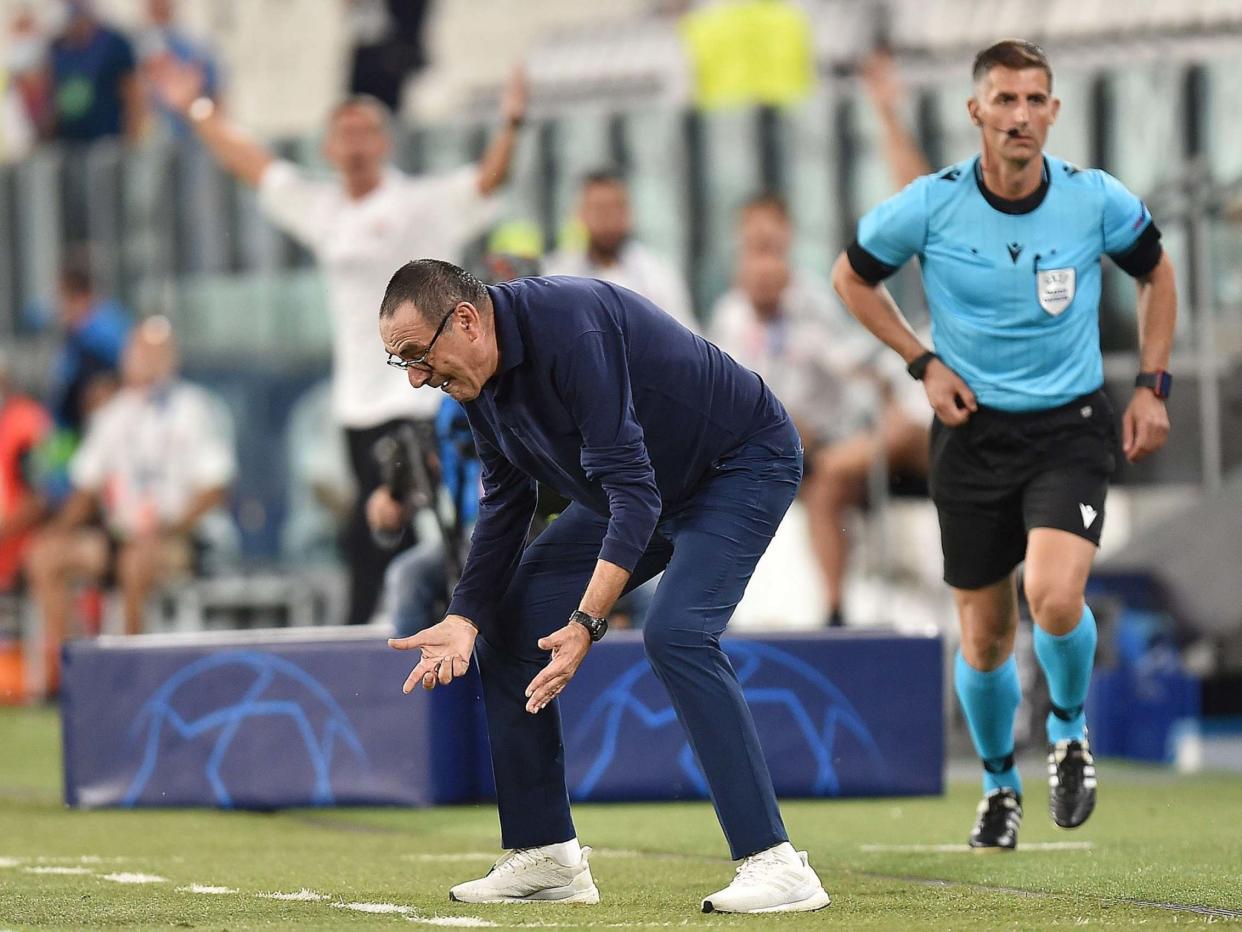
{"x":135,"y":878}
{"x":57,"y":870}
{"x":205,"y":888}
{"x":464,"y":922}
{"x":375,"y":908}
{"x":609,"y":925}
{"x":83,"y":859}
{"x":966,"y":849}
{"x":303,"y":895}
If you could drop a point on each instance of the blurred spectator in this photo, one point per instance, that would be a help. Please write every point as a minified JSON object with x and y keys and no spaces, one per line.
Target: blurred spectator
{"x":387,"y":46}
{"x":23,"y":424}
{"x":25,"y":99}
{"x":361,"y":225}
{"x":162,"y":40}
{"x":17,"y":132}
{"x":321,"y":491}
{"x":95,"y":86}
{"x":612,"y":254}
{"x":888,"y":95}
{"x":417,"y":582}
{"x":746,"y":52}
{"x":155,"y":465}
{"x":94,"y":330}
{"x":785,"y":325}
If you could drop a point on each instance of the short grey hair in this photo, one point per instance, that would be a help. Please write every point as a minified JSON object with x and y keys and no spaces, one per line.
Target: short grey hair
{"x":434,"y":287}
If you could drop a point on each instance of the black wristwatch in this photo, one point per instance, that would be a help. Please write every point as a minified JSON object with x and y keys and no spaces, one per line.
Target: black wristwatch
{"x":1160,"y":382}
{"x":918,"y":367}
{"x":596,"y":627}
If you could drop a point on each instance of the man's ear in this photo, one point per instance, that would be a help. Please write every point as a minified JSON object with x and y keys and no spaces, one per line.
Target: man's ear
{"x":972,"y":107}
{"x":469,"y":320}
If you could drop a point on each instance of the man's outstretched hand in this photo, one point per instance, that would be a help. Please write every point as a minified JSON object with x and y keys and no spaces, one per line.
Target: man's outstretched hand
{"x":446,"y":650}
{"x":569,"y":645}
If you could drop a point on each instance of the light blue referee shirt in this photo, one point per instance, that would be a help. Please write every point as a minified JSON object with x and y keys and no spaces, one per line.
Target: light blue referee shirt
{"x":1013,"y":286}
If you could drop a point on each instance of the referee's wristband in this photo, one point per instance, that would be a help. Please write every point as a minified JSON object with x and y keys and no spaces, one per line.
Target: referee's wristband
{"x":918,"y":368}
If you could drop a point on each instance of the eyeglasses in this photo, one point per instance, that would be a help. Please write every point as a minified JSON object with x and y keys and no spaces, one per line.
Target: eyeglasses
{"x":420,"y":361}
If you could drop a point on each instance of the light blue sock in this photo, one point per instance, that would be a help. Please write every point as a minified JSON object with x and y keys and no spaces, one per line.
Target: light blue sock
{"x":990,"y":702}
{"x":1067,"y":660}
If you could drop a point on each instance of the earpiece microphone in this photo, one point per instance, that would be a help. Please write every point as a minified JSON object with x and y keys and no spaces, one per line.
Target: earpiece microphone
{"x":1013,"y":132}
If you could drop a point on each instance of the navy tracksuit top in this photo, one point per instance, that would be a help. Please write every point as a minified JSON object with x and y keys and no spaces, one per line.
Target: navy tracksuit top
{"x":608,"y":400}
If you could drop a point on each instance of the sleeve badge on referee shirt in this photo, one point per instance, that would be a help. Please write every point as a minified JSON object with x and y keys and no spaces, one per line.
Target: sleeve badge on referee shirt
{"x":1055,"y":289}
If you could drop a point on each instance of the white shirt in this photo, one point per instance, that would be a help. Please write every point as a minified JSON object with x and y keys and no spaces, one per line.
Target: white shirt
{"x":147,"y":454}
{"x":359,"y":244}
{"x":638,"y":269}
{"x":17,"y":134}
{"x":810,"y":355}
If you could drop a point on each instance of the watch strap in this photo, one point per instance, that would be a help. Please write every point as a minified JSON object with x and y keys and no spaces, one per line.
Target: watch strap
{"x":596,"y":627}
{"x":918,"y":367}
{"x":1160,"y":382}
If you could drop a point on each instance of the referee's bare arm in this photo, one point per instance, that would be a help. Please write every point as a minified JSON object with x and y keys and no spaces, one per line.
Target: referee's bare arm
{"x":876,"y":310}
{"x":1145,"y":425}
{"x":181,"y":88}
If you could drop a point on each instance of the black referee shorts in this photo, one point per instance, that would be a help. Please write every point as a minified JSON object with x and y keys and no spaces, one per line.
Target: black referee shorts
{"x":1002,"y":473}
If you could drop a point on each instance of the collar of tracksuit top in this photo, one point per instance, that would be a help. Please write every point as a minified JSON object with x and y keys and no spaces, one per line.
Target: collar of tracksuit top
{"x":605,"y":398}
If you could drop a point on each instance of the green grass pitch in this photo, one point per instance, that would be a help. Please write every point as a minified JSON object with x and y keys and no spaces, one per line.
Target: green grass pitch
{"x":1160,"y":852}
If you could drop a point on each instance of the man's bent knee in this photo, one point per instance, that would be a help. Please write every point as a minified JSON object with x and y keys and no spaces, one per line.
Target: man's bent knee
{"x":664,"y":644}
{"x":46,"y":558}
{"x":989,"y":622}
{"x":987,"y":650}
{"x":1056,"y":607}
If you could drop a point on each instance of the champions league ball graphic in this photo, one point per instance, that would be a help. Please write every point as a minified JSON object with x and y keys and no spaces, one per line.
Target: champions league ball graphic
{"x":808,"y":728}
{"x":203,"y":727}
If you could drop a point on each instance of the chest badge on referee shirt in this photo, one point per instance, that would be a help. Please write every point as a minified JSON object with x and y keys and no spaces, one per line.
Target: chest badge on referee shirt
{"x":1055,"y":288}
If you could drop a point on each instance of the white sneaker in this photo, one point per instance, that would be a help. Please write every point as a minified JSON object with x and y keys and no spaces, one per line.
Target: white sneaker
{"x":778,"y":880}
{"x":529,"y":875}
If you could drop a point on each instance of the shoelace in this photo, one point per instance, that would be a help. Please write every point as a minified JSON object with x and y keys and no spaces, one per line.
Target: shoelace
{"x":756,"y":864}
{"x":994,"y":811}
{"x":517,"y":858}
{"x":1071,"y":766}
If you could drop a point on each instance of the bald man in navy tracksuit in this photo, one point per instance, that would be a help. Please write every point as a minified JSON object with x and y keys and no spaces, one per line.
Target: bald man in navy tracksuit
{"x":675,"y":458}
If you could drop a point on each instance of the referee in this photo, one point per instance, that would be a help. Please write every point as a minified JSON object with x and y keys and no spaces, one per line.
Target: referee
{"x":1022,"y":444}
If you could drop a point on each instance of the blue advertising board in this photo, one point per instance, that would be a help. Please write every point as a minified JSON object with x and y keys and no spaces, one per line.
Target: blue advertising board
{"x":263,"y":720}
{"x":838,"y":714}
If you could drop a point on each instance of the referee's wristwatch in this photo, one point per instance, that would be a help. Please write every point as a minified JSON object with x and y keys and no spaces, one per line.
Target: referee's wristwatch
{"x":596,"y":627}
{"x":1160,"y":382}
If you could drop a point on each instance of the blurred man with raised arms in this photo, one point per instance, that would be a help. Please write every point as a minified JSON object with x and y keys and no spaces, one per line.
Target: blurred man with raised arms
{"x":360,"y":225}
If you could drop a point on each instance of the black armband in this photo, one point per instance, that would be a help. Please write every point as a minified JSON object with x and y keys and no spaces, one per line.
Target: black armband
{"x":866,"y":266}
{"x":1144,"y":255}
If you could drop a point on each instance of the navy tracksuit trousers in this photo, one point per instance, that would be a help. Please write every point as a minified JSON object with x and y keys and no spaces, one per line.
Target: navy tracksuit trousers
{"x":707,"y":547}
